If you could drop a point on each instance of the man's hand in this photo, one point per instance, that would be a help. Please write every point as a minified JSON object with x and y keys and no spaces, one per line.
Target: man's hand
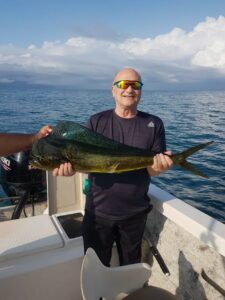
{"x":64,"y":170}
{"x":161,"y":163}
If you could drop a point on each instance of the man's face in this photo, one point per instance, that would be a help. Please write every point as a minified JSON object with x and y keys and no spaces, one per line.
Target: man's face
{"x":129,"y":97}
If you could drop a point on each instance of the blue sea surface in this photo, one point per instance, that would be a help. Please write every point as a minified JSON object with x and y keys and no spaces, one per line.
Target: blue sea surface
{"x":190,"y":118}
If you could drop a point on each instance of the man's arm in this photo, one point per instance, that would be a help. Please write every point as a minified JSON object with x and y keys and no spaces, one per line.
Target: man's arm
{"x":161,"y":161}
{"x":16,"y":142}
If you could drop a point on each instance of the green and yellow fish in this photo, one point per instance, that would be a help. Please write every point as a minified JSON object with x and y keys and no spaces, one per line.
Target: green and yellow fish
{"x":88,"y":152}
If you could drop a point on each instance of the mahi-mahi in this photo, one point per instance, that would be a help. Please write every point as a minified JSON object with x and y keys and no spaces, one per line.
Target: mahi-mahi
{"x":89,"y":152}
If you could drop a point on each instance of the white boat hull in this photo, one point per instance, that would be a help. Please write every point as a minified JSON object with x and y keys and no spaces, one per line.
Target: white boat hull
{"x":38,"y":259}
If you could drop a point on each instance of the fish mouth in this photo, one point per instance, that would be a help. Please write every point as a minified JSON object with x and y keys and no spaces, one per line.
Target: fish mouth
{"x":35,"y":162}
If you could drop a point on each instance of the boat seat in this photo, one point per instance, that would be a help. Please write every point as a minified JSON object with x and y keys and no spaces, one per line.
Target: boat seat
{"x":99,"y":281}
{"x":28,"y":236}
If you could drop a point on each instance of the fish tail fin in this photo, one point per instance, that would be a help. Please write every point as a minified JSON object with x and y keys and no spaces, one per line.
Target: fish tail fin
{"x":179,"y":159}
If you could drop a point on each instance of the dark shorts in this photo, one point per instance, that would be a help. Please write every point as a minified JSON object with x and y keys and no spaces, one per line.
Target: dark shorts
{"x":100,"y":233}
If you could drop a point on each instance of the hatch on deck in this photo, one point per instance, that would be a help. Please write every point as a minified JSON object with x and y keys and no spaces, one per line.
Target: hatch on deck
{"x":66,"y":202}
{"x":65,"y":193}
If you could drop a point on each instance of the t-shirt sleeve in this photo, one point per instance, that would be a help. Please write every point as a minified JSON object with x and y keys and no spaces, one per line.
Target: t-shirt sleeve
{"x":159,"y":145}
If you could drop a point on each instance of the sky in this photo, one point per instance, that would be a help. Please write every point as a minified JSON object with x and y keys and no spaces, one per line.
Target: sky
{"x":174,"y":44}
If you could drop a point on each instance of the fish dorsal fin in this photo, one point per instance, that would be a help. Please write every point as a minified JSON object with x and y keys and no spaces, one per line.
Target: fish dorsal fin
{"x":75,"y":132}
{"x":66,"y":129}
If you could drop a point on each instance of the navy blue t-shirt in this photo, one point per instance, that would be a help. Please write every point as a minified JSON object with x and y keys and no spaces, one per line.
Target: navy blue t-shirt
{"x":119,"y":196}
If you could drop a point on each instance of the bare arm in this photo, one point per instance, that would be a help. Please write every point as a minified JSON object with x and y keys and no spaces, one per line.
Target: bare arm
{"x":16,"y":142}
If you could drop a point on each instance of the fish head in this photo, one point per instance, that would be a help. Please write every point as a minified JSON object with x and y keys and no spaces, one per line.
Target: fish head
{"x":45,"y":155}
{"x":43,"y":163}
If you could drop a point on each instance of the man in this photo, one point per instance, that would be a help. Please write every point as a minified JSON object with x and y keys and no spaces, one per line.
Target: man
{"x":117,"y":204}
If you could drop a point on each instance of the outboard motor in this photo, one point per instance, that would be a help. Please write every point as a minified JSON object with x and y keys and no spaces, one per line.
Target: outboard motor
{"x":19,"y":181}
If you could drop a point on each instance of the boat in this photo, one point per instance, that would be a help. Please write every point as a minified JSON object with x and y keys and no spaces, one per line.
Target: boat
{"x":41,"y":256}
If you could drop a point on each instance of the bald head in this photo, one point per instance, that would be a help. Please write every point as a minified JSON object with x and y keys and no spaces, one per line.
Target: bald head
{"x":127,"y":74}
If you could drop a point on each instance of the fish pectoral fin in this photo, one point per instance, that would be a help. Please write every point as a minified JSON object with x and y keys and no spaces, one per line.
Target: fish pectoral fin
{"x":113,"y":168}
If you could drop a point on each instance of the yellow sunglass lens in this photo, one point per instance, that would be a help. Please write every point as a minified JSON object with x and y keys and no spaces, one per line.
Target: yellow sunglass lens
{"x":124,"y":84}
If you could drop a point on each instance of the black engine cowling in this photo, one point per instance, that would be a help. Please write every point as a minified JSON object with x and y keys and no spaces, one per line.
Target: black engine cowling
{"x":18,"y":180}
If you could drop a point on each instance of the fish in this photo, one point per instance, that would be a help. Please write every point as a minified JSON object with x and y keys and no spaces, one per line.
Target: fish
{"x":91,"y":152}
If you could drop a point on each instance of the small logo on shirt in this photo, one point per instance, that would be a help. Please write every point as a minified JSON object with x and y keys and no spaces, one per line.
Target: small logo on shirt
{"x":151,"y":124}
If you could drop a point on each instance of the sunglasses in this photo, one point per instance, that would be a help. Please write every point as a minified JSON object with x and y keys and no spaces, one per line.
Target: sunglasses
{"x":124,"y":84}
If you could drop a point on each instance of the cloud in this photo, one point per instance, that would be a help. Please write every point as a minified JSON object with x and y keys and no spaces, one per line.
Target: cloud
{"x":177,"y":59}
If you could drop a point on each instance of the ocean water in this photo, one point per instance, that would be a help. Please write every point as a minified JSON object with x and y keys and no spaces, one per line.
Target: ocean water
{"x":189,"y":117}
